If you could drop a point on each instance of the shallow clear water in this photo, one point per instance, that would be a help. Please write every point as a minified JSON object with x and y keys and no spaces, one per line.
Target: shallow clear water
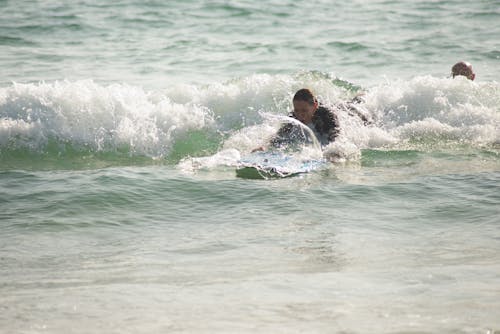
{"x":121,"y":125}
{"x":148,"y":249}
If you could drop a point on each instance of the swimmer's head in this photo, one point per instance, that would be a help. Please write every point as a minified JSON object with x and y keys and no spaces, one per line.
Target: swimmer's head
{"x":463,"y":68}
{"x":305,"y":105}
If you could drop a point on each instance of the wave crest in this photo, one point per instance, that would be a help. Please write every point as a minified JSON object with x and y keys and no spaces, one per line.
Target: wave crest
{"x":192,"y":120}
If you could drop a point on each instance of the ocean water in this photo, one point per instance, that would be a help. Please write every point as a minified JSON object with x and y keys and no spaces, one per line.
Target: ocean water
{"x":121,"y":126}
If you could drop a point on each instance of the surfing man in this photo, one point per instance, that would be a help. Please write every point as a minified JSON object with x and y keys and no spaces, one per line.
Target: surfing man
{"x":464,"y":69}
{"x":307,"y":110}
{"x":322,"y":121}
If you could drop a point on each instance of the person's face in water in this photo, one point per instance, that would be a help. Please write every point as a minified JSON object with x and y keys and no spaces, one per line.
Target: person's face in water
{"x":304,"y":111}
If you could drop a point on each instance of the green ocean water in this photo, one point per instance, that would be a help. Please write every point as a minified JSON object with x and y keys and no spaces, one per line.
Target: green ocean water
{"x":121,"y":127}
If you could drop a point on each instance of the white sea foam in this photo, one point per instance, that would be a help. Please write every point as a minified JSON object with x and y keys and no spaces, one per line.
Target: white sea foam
{"x":245,"y":112}
{"x":102,"y":118}
{"x":428,"y":108}
{"x":242,"y":101}
{"x":425,"y":110}
{"x":225,"y":157}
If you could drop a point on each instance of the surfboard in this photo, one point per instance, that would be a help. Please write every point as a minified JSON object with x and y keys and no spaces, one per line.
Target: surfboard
{"x":269,"y":165}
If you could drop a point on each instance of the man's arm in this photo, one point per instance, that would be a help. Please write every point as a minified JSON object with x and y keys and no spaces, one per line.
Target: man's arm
{"x":333,"y":125}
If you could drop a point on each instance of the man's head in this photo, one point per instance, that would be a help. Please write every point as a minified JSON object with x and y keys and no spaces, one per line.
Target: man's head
{"x":304,"y":105}
{"x":463,"y":68}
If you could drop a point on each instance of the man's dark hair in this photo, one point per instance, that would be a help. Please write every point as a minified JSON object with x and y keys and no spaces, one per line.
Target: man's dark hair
{"x":304,"y":94}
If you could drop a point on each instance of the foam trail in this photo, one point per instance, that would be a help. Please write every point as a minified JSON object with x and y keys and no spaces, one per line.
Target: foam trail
{"x":243,"y":141}
{"x":226,"y":157}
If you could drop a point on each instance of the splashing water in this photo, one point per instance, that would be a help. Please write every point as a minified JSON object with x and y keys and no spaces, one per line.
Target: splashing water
{"x":425,"y":113}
